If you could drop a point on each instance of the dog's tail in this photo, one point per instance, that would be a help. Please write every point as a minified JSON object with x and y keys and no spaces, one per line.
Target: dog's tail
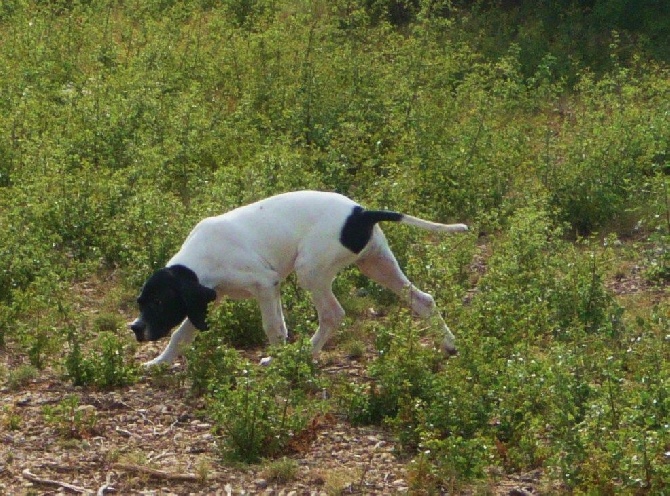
{"x":375,"y":216}
{"x":357,"y":229}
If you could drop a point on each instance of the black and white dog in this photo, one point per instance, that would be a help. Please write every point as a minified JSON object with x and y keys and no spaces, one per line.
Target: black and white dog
{"x":249,"y":251}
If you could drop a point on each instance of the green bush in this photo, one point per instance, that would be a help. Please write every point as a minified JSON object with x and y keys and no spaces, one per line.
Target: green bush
{"x":211,"y":364}
{"x":403,"y":378}
{"x":70,"y":419}
{"x":124,"y":123}
{"x":264,"y":409}
{"x":109,"y":366}
{"x":237,"y":322}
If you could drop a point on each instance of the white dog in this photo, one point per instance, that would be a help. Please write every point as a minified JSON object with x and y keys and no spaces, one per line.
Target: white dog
{"x":249,"y":251}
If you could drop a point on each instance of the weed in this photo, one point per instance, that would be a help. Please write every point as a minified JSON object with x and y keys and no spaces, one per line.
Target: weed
{"x":71,"y":419}
{"x":19,"y":377}
{"x":281,"y":471}
{"x":10,"y":419}
{"x":354,"y":349}
{"x":263,"y":409}
{"x":203,"y":469}
{"x":107,"y":322}
{"x":211,"y":364}
{"x":108,"y":368}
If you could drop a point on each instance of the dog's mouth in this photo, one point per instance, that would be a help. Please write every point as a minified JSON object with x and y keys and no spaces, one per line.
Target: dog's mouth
{"x":140,"y":328}
{"x":144,"y":332}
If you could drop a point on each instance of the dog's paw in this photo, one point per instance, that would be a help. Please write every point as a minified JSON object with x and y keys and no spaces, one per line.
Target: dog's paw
{"x":265,"y":361}
{"x":155,"y":363}
{"x":448,"y":350}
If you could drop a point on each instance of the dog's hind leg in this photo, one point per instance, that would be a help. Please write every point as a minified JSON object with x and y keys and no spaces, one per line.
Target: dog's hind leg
{"x":331,"y":314}
{"x":379,"y":264}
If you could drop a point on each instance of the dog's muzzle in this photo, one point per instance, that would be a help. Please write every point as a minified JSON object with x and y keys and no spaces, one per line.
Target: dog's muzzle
{"x":139,"y":327}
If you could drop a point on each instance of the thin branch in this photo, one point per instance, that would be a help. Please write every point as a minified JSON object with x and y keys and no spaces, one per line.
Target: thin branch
{"x":159,"y":474}
{"x":27,"y":474}
{"x":106,"y":487}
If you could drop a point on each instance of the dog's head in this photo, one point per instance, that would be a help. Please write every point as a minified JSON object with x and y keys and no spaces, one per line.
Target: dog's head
{"x":168,"y":297}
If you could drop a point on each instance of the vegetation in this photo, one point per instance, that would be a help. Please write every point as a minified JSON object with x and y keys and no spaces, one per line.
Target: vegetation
{"x":543,"y":127}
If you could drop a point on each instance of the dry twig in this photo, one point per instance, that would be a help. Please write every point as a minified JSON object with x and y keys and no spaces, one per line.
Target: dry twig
{"x":27,"y":474}
{"x":159,"y":474}
{"x":106,"y":487}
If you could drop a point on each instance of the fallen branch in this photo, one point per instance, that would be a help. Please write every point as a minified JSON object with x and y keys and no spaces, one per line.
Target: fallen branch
{"x":27,"y":474}
{"x":106,"y":487}
{"x":159,"y":474}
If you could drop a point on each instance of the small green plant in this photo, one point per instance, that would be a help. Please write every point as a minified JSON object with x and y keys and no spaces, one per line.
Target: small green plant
{"x":265,"y":407}
{"x":281,"y":471}
{"x":107,"y":367}
{"x":257,"y":418}
{"x":21,"y":376}
{"x":79,"y":370}
{"x":71,"y":419}
{"x":107,"y":322}
{"x":211,"y":364}
{"x":354,"y":349}
{"x":114,"y":368}
{"x":10,"y":419}
{"x":294,"y":364}
{"x":401,"y":375}
{"x":238,"y":322}
{"x":658,"y":254}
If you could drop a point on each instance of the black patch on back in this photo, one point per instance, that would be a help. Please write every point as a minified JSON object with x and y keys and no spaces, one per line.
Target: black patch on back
{"x":357,"y":229}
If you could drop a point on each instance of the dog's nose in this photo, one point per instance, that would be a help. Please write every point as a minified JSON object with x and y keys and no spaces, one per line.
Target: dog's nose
{"x":138,"y":327}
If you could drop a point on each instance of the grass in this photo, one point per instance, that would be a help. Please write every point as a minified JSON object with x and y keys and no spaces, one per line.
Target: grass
{"x":122,"y":125}
{"x":281,"y":471}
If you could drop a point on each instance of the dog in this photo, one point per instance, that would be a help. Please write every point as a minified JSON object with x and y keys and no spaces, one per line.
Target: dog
{"x":249,"y":251}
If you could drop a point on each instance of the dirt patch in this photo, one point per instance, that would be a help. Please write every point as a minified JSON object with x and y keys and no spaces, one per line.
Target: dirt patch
{"x":151,"y":438}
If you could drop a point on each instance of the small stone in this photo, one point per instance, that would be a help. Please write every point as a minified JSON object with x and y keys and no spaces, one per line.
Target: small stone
{"x":261,"y":483}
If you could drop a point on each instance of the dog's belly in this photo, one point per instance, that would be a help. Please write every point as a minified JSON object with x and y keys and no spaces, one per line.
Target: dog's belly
{"x":234,"y":293}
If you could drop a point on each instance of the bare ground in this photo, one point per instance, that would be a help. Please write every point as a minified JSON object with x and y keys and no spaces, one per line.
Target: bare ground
{"x":150,"y":438}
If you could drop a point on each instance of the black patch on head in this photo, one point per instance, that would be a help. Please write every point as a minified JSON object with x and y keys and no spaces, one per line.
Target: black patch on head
{"x":167,"y":298}
{"x":357,"y":229}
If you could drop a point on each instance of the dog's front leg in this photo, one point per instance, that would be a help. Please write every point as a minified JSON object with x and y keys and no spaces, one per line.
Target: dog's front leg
{"x":183,"y":336}
{"x":269,"y":301}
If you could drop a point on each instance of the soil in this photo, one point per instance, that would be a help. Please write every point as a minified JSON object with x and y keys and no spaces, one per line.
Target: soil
{"x":150,"y":439}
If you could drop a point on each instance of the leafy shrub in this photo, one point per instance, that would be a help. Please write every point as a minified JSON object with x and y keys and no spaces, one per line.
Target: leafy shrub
{"x":264,"y":409}
{"x":211,"y":364}
{"x":237,"y":322}
{"x":402,"y":382}
{"x":107,"y":367}
{"x":257,"y":418}
{"x":658,"y":222}
{"x":294,"y":364}
{"x":606,"y":154}
{"x":70,"y":419}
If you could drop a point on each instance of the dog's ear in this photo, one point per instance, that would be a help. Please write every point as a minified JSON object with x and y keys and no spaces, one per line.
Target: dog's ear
{"x":196,"y":297}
